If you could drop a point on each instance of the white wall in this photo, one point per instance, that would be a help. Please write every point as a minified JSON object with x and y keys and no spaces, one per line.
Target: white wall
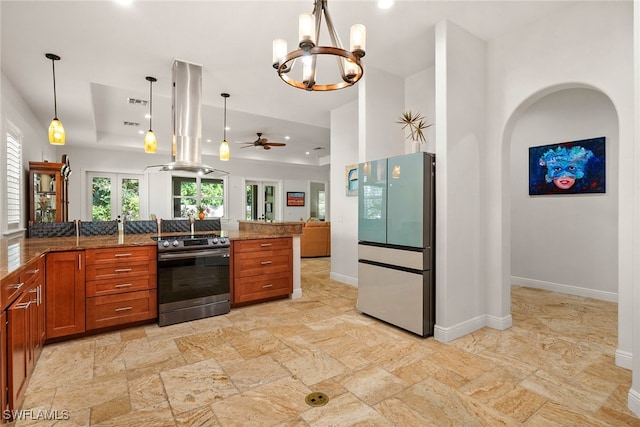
{"x":460,"y":133}
{"x":561,"y":51}
{"x":344,"y":210}
{"x":565,"y":243}
{"x":420,"y":96}
{"x":35,"y":143}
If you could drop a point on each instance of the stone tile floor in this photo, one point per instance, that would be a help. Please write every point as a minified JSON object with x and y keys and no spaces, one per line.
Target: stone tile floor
{"x":255,"y":365}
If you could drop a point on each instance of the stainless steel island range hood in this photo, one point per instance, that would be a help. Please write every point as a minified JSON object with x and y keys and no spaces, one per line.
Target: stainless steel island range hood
{"x":186,"y":121}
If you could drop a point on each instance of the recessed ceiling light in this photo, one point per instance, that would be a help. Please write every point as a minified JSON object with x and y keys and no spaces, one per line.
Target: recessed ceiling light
{"x":208,"y":140}
{"x":227,"y":128}
{"x":124,"y":2}
{"x":307,"y":153}
{"x":141,"y":132}
{"x":147,"y":116}
{"x":287,"y":137}
{"x":385,"y":4}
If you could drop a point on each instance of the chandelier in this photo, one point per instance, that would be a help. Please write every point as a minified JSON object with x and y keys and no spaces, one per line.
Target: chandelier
{"x":349,"y":61}
{"x":150,"y":141}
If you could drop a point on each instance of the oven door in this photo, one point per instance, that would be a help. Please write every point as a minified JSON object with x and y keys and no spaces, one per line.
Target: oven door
{"x":193,"y":275}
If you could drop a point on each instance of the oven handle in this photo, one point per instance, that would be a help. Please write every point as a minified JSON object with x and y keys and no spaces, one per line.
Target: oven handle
{"x":193,"y":254}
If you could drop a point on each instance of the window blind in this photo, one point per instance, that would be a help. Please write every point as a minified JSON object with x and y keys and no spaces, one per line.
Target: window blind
{"x":14,"y":179}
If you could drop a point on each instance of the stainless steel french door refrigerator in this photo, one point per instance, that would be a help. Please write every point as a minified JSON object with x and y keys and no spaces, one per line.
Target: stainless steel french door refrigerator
{"x":396,"y":234}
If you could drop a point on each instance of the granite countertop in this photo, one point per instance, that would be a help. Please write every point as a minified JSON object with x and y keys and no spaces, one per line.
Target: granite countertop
{"x":16,"y":253}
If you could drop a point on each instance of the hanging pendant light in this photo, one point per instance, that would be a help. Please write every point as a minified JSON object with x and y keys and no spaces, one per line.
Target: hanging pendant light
{"x":224,"y":145}
{"x":349,"y":62}
{"x":150,"y":142}
{"x":56,"y":130}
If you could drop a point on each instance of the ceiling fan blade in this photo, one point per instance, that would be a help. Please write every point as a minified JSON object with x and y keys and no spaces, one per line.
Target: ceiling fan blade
{"x":276,"y":144}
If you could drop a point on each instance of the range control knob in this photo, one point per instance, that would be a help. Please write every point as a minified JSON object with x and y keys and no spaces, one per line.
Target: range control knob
{"x":215,"y":240}
{"x":175,"y":243}
{"x":223,"y":240}
{"x":165,"y":244}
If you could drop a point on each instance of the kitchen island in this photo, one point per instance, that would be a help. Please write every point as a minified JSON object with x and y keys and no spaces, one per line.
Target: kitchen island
{"x":68,"y":287}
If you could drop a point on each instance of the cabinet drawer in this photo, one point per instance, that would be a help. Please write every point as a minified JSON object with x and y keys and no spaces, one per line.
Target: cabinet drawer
{"x":12,"y":285}
{"x":120,"y":284}
{"x":124,"y":255}
{"x":265,"y":262}
{"x":262,"y":244}
{"x":120,"y":309}
{"x":120,"y":270}
{"x":34,"y":272}
{"x":262,"y":287}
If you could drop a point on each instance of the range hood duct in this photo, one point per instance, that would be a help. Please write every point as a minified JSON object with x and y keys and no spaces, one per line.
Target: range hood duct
{"x":186,"y":120}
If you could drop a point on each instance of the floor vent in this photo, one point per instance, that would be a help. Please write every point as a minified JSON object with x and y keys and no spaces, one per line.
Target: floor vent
{"x":317,"y":398}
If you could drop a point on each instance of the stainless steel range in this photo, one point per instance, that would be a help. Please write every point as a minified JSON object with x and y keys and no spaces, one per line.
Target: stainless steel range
{"x":193,"y":277}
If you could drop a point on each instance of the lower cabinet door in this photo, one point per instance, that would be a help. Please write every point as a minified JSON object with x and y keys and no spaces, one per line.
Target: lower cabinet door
{"x":3,"y":364}
{"x":111,"y":310}
{"x":18,"y":343}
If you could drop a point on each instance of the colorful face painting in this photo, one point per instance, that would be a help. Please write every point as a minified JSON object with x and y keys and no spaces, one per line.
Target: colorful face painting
{"x":568,"y":168}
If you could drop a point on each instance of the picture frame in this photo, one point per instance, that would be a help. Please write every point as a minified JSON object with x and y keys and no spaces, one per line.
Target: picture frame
{"x":295,"y":198}
{"x":574,"y":167}
{"x":351,"y":180}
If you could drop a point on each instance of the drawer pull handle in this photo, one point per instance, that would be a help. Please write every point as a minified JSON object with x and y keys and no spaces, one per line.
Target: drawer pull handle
{"x":266,"y":262}
{"x":122,"y":270}
{"x":22,"y":305}
{"x":124,"y":308}
{"x":123,"y":285}
{"x":265,"y":244}
{"x":16,"y":286}
{"x":268,"y":286}
{"x":36,"y":271}
{"x":121,"y":255}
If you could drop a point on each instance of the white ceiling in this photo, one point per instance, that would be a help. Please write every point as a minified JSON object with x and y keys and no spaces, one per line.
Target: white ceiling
{"x":107,"y":49}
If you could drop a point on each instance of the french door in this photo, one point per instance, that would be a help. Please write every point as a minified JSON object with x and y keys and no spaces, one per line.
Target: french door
{"x":112,"y":195}
{"x":261,"y":200}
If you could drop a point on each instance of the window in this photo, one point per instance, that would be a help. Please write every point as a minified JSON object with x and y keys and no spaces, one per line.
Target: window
{"x":14,"y":178}
{"x":189,"y":193}
{"x":114,"y":195}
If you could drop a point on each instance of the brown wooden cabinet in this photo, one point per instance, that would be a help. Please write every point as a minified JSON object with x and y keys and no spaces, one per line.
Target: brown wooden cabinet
{"x":262,"y":269}
{"x":48,"y":193}
{"x":4,"y":391}
{"x":21,"y":331}
{"x":121,"y":286}
{"x":65,"y":294}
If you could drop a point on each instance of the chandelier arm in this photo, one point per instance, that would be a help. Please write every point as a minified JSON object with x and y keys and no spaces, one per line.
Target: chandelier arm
{"x":335,"y":40}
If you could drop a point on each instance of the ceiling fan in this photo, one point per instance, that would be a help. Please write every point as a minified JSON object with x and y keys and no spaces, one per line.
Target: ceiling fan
{"x":262,"y":142}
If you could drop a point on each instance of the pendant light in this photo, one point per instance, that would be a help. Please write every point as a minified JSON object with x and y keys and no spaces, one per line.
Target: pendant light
{"x":224,"y":145}
{"x":56,"y":130}
{"x":150,"y":142}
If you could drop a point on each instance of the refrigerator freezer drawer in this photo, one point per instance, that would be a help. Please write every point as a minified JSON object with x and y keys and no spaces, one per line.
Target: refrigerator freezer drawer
{"x":417,"y":260}
{"x":397,"y":297}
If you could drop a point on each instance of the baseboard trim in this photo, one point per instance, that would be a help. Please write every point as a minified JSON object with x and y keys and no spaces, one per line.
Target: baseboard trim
{"x":634,"y":402}
{"x":348,"y":280}
{"x":565,"y":289}
{"x":451,"y":333}
{"x":624,"y":359}
{"x":499,"y":323}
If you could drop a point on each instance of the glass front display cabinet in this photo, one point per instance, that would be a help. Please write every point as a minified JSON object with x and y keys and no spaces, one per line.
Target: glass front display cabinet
{"x":48,"y":198}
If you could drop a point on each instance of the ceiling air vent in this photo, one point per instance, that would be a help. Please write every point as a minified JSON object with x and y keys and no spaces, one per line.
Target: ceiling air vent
{"x":318,"y":148}
{"x":135,"y":101}
{"x":131,"y":123}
